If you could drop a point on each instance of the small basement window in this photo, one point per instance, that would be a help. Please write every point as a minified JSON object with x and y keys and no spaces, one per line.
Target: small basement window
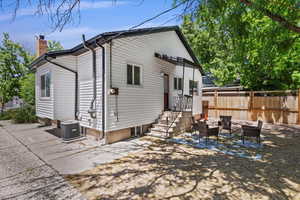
{"x":177,"y":83}
{"x":45,"y":84}
{"x":193,"y":84}
{"x":136,"y":131}
{"x":133,"y":74}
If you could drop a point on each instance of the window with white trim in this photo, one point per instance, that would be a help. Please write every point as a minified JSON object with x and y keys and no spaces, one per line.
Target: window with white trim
{"x":193,"y":84}
{"x":45,"y":82}
{"x":133,"y":74}
{"x":177,"y":83}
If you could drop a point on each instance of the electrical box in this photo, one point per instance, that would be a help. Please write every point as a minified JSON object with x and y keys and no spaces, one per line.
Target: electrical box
{"x":114,"y":91}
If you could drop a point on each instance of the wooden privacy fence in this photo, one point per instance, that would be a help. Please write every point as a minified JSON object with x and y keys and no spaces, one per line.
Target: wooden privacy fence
{"x":269,"y":106}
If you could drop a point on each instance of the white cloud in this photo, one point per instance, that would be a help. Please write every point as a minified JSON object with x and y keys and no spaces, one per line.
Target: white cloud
{"x":20,"y":12}
{"x":100,"y":4}
{"x":69,"y":37}
{"x":84,"y":5}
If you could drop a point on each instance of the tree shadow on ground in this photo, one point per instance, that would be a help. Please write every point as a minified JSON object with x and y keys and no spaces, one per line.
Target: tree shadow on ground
{"x":170,"y":171}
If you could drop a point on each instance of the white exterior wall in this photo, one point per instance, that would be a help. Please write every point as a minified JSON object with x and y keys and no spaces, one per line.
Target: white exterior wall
{"x":188,"y":75}
{"x":44,"y":105}
{"x":61,"y":103}
{"x":64,"y":88}
{"x":85,"y":85}
{"x":138,"y":105}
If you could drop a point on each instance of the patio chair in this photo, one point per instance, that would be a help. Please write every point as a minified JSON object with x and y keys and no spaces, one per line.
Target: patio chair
{"x":252,"y":131}
{"x":204,"y":130}
{"x":194,"y":124}
{"x":225,"y":123}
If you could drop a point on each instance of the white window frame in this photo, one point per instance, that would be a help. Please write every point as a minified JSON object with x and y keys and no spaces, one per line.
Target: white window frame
{"x":135,"y":128}
{"x":178,"y":78}
{"x":141,"y":74}
{"x":40,"y":85}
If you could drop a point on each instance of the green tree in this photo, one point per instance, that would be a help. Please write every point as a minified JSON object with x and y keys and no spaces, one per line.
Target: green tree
{"x":54,"y":45}
{"x":14,"y":60}
{"x":234,"y":41}
{"x":27,"y":90}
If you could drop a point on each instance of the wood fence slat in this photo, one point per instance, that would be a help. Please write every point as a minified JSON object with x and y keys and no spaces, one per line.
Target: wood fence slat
{"x":265,"y":106}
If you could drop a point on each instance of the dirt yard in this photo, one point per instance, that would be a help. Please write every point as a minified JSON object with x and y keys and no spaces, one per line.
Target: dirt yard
{"x":166,"y":170}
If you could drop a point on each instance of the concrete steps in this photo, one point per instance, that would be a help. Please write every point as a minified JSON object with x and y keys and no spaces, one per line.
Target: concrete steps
{"x":168,"y":125}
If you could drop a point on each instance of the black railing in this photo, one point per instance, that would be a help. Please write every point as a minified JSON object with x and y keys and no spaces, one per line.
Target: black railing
{"x":172,"y":117}
{"x":182,"y":103}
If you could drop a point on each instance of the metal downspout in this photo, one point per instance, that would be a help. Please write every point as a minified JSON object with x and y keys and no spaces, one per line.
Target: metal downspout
{"x":193,"y":89}
{"x":103,"y":88}
{"x":182,"y":89}
{"x":92,"y":110}
{"x":110,"y":64}
{"x":76,"y":82}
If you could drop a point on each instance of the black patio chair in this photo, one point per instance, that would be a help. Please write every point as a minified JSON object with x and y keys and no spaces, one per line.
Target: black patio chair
{"x":252,"y":131}
{"x":204,"y":130}
{"x":225,"y":123}
{"x":194,"y":124}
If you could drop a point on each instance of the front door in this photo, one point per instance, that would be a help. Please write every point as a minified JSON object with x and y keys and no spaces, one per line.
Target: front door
{"x":166,"y":91}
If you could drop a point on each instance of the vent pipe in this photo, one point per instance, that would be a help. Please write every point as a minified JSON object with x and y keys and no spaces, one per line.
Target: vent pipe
{"x":92,"y":109}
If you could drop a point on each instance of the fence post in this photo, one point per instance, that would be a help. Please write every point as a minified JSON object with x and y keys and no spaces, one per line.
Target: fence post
{"x":250,"y":108}
{"x":216,"y":103}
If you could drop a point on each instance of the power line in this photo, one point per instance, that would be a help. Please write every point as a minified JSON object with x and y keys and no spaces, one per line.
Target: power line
{"x":147,"y":20}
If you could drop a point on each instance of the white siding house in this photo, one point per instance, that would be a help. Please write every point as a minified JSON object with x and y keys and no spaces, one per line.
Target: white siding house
{"x":144,"y":82}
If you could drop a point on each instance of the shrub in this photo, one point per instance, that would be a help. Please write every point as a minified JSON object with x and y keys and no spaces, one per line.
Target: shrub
{"x":7,"y":115}
{"x":25,"y":114}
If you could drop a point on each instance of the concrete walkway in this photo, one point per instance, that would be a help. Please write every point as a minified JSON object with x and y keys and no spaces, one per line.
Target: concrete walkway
{"x":32,"y":161}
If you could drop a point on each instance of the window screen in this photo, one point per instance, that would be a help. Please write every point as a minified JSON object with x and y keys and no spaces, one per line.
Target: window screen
{"x":133,"y":75}
{"x":129,"y":74}
{"x":45,"y":85}
{"x":137,"y":75}
{"x":179,"y":84}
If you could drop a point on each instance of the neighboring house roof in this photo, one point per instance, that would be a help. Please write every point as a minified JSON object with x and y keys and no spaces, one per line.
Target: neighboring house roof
{"x":208,"y":80}
{"x":209,"y":85}
{"x":107,"y":36}
{"x":224,"y":88}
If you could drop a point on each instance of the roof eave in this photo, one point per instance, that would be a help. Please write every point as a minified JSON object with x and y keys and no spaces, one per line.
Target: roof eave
{"x":125,"y":34}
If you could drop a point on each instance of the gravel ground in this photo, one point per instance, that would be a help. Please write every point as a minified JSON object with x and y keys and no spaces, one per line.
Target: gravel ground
{"x":165,"y":170}
{"x":24,"y":175}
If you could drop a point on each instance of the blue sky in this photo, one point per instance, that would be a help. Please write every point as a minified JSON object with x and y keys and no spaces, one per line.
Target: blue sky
{"x":96,"y":16}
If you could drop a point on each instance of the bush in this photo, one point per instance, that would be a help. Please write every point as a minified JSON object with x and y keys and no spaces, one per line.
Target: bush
{"x":25,"y":114}
{"x":7,"y":115}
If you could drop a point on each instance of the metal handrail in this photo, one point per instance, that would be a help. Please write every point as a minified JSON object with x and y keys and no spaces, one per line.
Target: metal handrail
{"x":167,"y":132}
{"x":182,"y":102}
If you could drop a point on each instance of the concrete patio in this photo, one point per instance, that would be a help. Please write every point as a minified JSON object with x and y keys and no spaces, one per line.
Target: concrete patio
{"x":32,"y":160}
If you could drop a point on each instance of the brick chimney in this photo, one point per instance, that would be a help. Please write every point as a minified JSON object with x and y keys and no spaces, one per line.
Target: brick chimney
{"x":41,"y":45}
